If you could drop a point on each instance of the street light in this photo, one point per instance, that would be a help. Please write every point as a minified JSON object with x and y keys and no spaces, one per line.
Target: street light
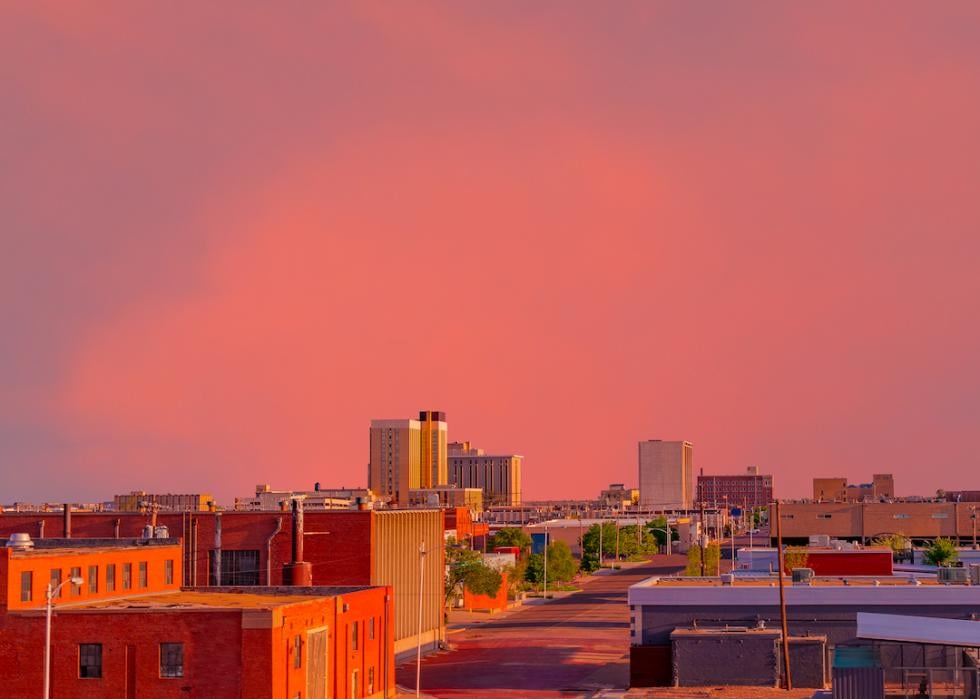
{"x":418,"y":641}
{"x":52,"y":592}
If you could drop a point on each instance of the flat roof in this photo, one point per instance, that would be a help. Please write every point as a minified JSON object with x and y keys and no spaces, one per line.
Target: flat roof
{"x":215,"y":598}
{"x":46,"y":552}
{"x":918,"y":629}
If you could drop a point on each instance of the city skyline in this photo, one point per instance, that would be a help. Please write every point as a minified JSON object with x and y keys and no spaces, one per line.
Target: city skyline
{"x":751,"y":227}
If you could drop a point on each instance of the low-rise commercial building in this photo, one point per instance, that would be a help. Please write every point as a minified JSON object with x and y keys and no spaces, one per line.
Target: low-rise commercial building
{"x":447,"y":496}
{"x":140,"y":500}
{"x":837,"y":489}
{"x":131,"y":631}
{"x":747,"y":490}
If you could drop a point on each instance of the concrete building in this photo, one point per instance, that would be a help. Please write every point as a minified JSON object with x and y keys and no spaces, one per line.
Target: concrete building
{"x":865,"y":521}
{"x":666,"y":475}
{"x":836,"y":489}
{"x":317,"y":499}
{"x":499,"y":476}
{"x":433,"y":440}
{"x":339,"y":547}
{"x":131,"y":631}
{"x":824,"y":612}
{"x":396,"y":458}
{"x":138,"y":500}
{"x":748,"y":490}
{"x":618,"y":496}
{"x":447,"y":496}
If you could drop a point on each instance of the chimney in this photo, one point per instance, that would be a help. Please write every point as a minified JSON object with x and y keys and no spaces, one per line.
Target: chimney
{"x":67,"y":521}
{"x":298,"y":572}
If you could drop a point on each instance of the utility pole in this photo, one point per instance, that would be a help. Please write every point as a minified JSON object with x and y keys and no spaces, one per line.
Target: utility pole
{"x":600,"y":543}
{"x":546,"y":562}
{"x":973,"y":516}
{"x":418,"y":642}
{"x":782,"y":598}
{"x":704,"y":535}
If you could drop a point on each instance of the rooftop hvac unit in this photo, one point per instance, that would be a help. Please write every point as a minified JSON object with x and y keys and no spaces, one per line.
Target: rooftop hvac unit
{"x":161,"y":532}
{"x":953,"y":576}
{"x":974,"y":574}
{"x":20,"y":541}
{"x":148,"y":531}
{"x":802,"y":576}
{"x":820,"y":540}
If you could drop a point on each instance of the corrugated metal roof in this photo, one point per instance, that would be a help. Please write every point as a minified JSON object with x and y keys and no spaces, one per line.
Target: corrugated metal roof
{"x":918,"y":629}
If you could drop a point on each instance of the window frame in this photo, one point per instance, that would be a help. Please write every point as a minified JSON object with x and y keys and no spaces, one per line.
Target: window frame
{"x":110,"y":577}
{"x":27,"y":591}
{"x":172,"y":674}
{"x":144,"y":575}
{"x":93,"y":580}
{"x":127,"y":576}
{"x":168,"y":571}
{"x":76,"y":572}
{"x":95,"y":648}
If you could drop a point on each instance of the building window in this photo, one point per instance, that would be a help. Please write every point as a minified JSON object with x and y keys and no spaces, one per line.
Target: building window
{"x":143,"y":575}
{"x":27,"y":586}
{"x":171,"y":660}
{"x":127,"y":580}
{"x":353,"y":636}
{"x":76,"y":573}
{"x":824,"y":516}
{"x":940,"y":515}
{"x":90,"y":660}
{"x":168,"y":572}
{"x":901,"y":516}
{"x":110,"y":577}
{"x":297,"y":652}
{"x":371,"y":628}
{"x":355,"y":684}
{"x":370,"y":681}
{"x":238,"y":567}
{"x":56,"y":580}
{"x":93,"y":579}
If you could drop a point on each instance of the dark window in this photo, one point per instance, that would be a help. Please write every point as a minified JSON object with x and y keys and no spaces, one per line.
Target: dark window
{"x":90,"y":660}
{"x":297,"y":652}
{"x":142,"y":573}
{"x":26,"y":586}
{"x":127,"y":576}
{"x":93,"y":579}
{"x":371,"y":628}
{"x":110,"y":577}
{"x":168,"y":572}
{"x":56,"y":580}
{"x":76,"y":573}
{"x":370,"y":681}
{"x":238,"y":567}
{"x":353,"y":636}
{"x":171,"y":660}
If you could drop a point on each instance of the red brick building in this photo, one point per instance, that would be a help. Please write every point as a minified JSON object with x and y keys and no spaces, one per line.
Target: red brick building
{"x":747,"y":490}
{"x":343,"y":547}
{"x":149,"y":638}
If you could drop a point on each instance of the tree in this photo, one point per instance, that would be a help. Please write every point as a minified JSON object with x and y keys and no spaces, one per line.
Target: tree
{"x":561,"y":566}
{"x":658,"y":528}
{"x":513,"y":536}
{"x":898,"y":543}
{"x":590,"y":545}
{"x":712,"y":560}
{"x":795,"y":557}
{"x":629,"y":546}
{"x":483,"y":580}
{"x":465,"y":567}
{"x":942,"y":552}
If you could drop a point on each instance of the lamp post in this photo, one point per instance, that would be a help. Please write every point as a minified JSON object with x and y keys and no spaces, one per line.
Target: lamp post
{"x":545,"y":594}
{"x":52,"y":592}
{"x":418,"y":641}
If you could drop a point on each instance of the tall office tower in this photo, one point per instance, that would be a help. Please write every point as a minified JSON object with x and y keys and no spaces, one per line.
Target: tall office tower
{"x":434,"y":437}
{"x":395,"y":466}
{"x":666,"y":475}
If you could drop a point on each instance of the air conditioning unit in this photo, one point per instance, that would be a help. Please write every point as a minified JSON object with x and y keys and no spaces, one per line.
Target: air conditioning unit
{"x":953,"y":576}
{"x":802,"y":576}
{"x":820,"y":540}
{"x":974,"y":574}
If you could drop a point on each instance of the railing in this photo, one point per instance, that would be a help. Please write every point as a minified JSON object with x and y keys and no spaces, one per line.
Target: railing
{"x":932,"y":682}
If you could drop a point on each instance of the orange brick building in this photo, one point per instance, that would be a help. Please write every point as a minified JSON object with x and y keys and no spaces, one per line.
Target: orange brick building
{"x":131,"y":631}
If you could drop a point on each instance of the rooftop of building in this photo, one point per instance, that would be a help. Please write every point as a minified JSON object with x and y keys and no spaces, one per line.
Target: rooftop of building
{"x":255,"y":598}
{"x":773,"y":581}
{"x":78,"y":547}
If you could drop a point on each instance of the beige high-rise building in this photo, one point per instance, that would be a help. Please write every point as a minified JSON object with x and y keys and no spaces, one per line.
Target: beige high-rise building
{"x":498,"y":476}
{"x":666,"y":475}
{"x":435,"y":433}
{"x":396,"y":455}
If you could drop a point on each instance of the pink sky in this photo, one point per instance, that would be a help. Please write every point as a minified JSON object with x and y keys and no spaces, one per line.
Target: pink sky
{"x":233,"y":237}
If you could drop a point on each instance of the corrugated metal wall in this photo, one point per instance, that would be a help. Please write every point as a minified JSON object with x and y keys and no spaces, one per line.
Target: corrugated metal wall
{"x":397,"y":537}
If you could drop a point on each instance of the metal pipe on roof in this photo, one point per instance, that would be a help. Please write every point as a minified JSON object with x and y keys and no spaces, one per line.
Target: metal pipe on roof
{"x":66,"y":522}
{"x":268,"y":548}
{"x":216,"y":562}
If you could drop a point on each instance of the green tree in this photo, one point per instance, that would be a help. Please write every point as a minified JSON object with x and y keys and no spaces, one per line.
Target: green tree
{"x":590,"y":545}
{"x":712,"y":560}
{"x":795,"y":557}
{"x":898,"y":543}
{"x":513,"y":536}
{"x":658,"y":528}
{"x":465,"y":567}
{"x":630,"y":547}
{"x":561,"y":565}
{"x":483,"y":580}
{"x":942,"y":552}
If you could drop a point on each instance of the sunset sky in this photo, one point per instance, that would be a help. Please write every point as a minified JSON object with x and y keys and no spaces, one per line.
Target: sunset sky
{"x":232,"y":237}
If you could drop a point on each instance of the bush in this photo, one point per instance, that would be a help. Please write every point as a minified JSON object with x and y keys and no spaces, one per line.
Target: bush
{"x":561,"y":566}
{"x":942,"y":552}
{"x":712,"y":560}
{"x":794,"y":557}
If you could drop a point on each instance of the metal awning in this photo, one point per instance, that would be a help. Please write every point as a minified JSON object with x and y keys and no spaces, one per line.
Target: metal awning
{"x":918,"y":629}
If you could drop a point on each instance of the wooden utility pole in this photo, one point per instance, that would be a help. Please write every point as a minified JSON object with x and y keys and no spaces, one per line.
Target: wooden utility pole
{"x":782,"y":598}
{"x":704,"y":535}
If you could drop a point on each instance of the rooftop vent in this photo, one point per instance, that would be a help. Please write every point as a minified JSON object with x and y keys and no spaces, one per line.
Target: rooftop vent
{"x":802,"y":576}
{"x":727,"y":579}
{"x":953,"y":576}
{"x":20,"y":541}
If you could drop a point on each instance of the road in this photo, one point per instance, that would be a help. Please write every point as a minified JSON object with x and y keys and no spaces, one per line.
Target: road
{"x":568,"y":647}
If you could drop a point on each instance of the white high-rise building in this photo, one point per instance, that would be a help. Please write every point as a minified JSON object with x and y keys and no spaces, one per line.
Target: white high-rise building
{"x":666,"y":475}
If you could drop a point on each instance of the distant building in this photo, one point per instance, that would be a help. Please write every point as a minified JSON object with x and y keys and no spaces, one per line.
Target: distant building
{"x":618,"y":496}
{"x":130,"y":631}
{"x":447,"y":496}
{"x":433,"y":440}
{"x":747,"y":490}
{"x":882,"y":486}
{"x":316,"y":499}
{"x":139,"y":500}
{"x":499,"y":476}
{"x":666,"y":475}
{"x":395,"y":461}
